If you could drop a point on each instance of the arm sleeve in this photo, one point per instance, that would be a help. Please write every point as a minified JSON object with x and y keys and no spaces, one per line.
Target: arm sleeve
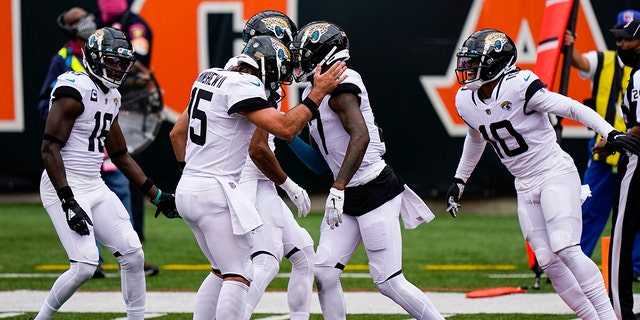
{"x":471,"y":154}
{"x":308,"y":155}
{"x":555,"y":103}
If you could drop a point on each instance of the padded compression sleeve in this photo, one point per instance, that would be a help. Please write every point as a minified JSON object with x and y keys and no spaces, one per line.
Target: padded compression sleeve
{"x":308,"y":155}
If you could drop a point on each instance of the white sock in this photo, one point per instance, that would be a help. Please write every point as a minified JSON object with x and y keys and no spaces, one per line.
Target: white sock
{"x":409,"y":297}
{"x":265,"y":268}
{"x":134,"y":285}
{"x":330,"y":293}
{"x":300,"y":286}
{"x":232,"y":300}
{"x":207,"y":298}
{"x":64,"y":287}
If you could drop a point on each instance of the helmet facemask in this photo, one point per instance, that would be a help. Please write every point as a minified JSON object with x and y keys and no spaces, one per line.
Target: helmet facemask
{"x":484,"y":57}
{"x":306,"y":67}
{"x":109,"y":57}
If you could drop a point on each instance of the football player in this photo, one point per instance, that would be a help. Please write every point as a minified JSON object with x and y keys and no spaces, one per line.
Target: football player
{"x":508,"y":108}
{"x":82,"y":124}
{"x":281,"y":235}
{"x":212,"y":137}
{"x":365,"y":187}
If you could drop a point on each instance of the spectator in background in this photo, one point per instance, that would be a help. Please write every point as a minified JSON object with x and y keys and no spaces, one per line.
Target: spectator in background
{"x":116,"y":14}
{"x":77,"y":25}
{"x":609,"y":78}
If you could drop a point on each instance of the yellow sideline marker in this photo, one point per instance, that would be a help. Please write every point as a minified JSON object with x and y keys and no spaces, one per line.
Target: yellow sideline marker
{"x":351,"y":267}
{"x":469,"y":267}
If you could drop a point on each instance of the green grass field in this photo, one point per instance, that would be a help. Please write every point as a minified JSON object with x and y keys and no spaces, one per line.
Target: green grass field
{"x":471,"y":252}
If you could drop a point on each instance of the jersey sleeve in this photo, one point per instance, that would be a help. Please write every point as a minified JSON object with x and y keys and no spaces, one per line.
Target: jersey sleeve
{"x":471,"y":153}
{"x":555,"y":103}
{"x":248,"y":95}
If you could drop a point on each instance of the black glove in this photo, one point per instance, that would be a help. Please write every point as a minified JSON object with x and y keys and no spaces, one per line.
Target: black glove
{"x":624,"y":142}
{"x":453,"y":196}
{"x":165,"y":203}
{"x":77,"y":219}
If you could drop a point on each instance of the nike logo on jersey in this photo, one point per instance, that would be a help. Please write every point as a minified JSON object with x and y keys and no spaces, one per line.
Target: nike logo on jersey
{"x":527,"y":78}
{"x":71,"y":80}
{"x":257,"y":84}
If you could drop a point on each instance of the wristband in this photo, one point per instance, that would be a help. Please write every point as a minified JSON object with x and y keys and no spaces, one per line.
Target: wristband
{"x":310,"y":104}
{"x":146,"y":186}
{"x":157,"y":197}
{"x":65,"y":193}
{"x":288,"y":185}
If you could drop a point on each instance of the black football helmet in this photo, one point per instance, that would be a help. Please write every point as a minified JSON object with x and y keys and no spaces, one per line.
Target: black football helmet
{"x":108,"y":56}
{"x":484,"y":56}
{"x":318,"y":43}
{"x":270,"y":23}
{"x":271,"y":57}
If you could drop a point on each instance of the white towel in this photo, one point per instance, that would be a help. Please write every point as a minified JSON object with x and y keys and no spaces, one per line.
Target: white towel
{"x":244,"y":216}
{"x":585,"y":192}
{"x":413,"y":210}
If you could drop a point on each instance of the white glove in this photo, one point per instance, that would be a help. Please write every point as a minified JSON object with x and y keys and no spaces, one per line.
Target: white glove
{"x":298,"y":196}
{"x":333,"y":207}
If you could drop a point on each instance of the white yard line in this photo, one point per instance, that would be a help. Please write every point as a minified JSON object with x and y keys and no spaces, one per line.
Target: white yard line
{"x":276,"y":303}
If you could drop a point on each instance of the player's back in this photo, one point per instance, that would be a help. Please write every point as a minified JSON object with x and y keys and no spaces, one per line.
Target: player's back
{"x":218,"y":136}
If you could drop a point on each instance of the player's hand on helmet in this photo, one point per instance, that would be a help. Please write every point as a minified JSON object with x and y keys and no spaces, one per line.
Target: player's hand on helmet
{"x":333,"y":208}
{"x":165,"y":203}
{"x":77,"y":218}
{"x":453,"y":196}
{"x":330,"y":79}
{"x":298,"y":196}
{"x":624,"y":142}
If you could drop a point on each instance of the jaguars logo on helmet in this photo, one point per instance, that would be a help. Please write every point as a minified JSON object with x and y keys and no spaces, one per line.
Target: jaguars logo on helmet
{"x":271,"y":57}
{"x":271,"y":23}
{"x":318,"y":43}
{"x":485,"y":56}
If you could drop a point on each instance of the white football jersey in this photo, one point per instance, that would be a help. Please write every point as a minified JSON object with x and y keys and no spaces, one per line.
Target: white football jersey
{"x":84,"y":151}
{"x":519,"y":130}
{"x":218,"y":136}
{"x":327,"y":131}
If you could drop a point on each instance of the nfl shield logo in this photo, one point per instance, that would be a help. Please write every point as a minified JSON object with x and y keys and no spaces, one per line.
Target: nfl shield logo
{"x":232,"y":185}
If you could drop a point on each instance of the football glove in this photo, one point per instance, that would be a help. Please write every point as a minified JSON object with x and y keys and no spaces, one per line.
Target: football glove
{"x":624,"y":142}
{"x":77,"y":219}
{"x":298,"y":196}
{"x":333,"y":207}
{"x":453,"y":196}
{"x":165,"y":203}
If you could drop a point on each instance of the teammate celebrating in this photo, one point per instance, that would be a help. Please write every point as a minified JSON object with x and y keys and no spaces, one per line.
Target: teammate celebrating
{"x":365,"y":186}
{"x":82,"y":123}
{"x":281,"y":235}
{"x":508,"y":108}
{"x":212,"y":137}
